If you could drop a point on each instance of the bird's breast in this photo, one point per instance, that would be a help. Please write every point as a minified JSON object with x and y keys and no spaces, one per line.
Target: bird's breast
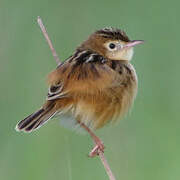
{"x":111,"y":102}
{"x":99,"y":93}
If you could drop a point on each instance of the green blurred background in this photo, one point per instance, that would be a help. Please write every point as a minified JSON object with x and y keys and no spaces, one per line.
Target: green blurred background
{"x":143,"y":146}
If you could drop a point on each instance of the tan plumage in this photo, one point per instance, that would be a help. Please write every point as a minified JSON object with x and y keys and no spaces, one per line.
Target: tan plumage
{"x":95,"y":85}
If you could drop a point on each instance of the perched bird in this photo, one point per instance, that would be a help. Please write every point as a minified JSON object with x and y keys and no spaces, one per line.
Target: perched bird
{"x":94,"y":86}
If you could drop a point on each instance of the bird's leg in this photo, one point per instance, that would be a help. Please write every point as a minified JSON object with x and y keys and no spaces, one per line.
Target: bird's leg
{"x":99,"y":146}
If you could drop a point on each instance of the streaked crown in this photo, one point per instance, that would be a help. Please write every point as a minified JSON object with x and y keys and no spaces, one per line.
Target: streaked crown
{"x":113,"y":33}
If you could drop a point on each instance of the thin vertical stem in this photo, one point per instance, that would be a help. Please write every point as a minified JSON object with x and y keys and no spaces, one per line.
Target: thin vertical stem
{"x":100,"y":153}
{"x":44,"y":31}
{"x":106,"y":165}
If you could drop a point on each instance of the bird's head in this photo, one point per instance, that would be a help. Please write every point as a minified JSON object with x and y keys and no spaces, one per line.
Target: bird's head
{"x":111,"y":43}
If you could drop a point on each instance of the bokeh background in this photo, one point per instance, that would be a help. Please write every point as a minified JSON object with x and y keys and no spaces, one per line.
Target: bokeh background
{"x":143,"y":146}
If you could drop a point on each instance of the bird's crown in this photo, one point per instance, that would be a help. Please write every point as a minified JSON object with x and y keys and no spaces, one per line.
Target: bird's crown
{"x":113,"y":33}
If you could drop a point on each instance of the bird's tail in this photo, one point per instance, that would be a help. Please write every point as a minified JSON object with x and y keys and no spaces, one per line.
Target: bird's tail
{"x":37,"y":119}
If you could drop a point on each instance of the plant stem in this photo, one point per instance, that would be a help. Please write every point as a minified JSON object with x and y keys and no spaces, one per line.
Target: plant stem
{"x":106,"y":165}
{"x":44,"y":31}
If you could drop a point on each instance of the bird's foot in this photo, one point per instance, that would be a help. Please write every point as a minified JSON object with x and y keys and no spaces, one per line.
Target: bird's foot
{"x":99,"y":147}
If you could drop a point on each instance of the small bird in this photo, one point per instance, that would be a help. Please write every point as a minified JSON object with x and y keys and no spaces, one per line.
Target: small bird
{"x":94,"y":86}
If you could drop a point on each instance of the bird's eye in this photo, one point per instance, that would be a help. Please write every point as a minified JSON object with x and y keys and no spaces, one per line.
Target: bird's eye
{"x":112,"y":45}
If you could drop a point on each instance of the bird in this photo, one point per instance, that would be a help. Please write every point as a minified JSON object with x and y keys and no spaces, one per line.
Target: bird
{"x":96,"y":85}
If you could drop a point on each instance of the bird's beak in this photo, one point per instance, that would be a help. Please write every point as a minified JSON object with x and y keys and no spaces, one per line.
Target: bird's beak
{"x":133,"y":43}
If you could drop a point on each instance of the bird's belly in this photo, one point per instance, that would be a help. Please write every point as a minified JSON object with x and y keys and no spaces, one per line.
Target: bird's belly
{"x":96,"y":110}
{"x":107,"y":107}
